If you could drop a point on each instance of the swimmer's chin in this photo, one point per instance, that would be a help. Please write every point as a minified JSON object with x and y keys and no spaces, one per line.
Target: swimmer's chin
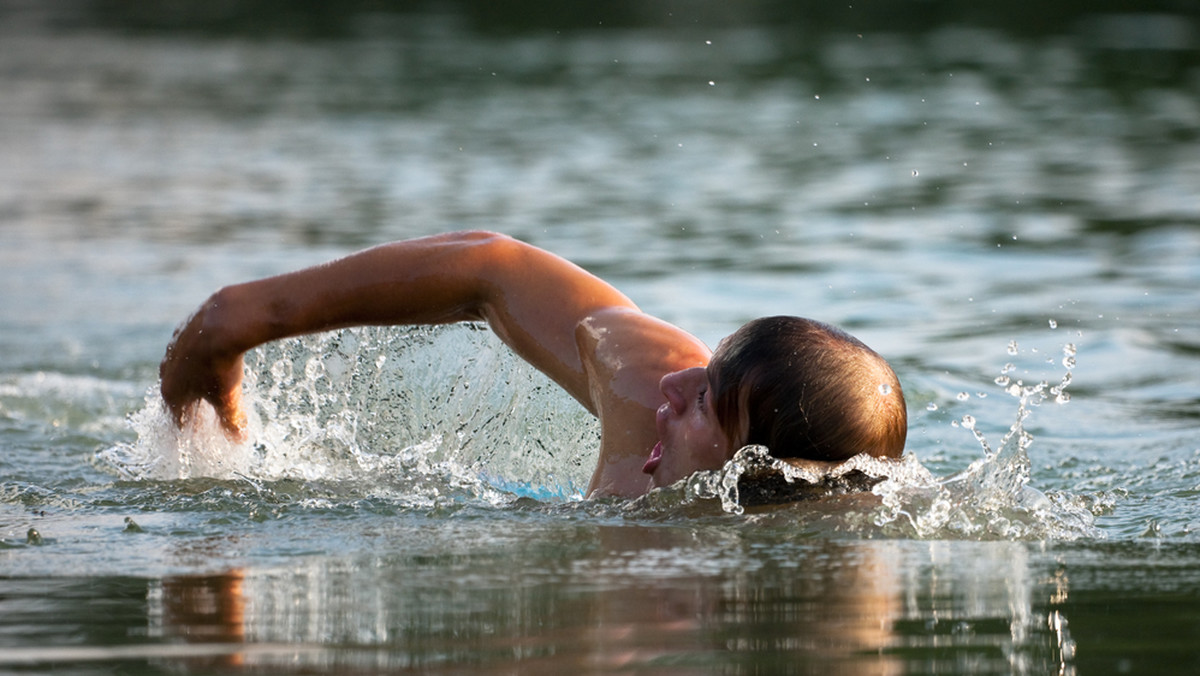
{"x":622,"y":481}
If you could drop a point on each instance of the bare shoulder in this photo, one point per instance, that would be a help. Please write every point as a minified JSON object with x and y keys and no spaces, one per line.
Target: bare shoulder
{"x":628,"y":351}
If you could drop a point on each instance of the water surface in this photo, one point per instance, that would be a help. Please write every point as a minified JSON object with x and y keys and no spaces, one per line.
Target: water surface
{"x":991,"y":205}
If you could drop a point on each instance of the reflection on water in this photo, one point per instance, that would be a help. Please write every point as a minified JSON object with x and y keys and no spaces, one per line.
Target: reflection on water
{"x":200,"y":610}
{"x":648,"y":598}
{"x":823,"y":607}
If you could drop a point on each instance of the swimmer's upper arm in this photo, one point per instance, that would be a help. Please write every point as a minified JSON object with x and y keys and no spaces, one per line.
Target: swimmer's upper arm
{"x":537,"y":302}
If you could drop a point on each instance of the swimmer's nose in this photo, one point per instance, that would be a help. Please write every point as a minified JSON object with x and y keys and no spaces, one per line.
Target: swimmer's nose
{"x":676,"y":387}
{"x":670,"y":389}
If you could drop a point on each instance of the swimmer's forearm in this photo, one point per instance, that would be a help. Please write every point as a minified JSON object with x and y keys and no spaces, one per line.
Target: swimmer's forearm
{"x":530,"y":297}
{"x":426,"y":281}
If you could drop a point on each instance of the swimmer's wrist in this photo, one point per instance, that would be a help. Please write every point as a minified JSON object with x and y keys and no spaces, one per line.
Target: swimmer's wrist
{"x":229,"y":326}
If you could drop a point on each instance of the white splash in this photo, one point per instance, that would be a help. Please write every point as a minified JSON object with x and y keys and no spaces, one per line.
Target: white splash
{"x":424,"y":410}
{"x":989,"y":500}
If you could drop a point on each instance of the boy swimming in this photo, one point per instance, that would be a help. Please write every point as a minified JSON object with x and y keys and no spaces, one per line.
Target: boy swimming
{"x":668,"y":406}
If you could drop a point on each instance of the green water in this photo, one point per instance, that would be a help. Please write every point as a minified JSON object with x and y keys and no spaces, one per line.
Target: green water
{"x":987,"y":195}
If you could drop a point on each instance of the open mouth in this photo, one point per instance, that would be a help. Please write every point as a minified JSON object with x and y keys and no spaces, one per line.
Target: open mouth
{"x":655,"y":458}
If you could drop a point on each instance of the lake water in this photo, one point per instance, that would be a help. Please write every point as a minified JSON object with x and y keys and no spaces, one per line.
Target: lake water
{"x":1007,"y":209}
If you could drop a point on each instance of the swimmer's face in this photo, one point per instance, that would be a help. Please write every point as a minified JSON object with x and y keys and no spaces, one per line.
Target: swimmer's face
{"x":690,"y":435}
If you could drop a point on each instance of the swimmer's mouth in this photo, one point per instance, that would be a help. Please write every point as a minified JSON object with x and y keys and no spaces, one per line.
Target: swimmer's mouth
{"x":654,"y":459}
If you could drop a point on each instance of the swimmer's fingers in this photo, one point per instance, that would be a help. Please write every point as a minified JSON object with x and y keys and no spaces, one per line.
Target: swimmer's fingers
{"x":231,"y":418}
{"x":229,"y":409}
{"x":230,"y":415}
{"x":186,"y":381}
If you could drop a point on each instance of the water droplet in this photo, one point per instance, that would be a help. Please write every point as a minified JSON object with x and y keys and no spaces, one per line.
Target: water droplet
{"x":314,"y":368}
{"x":916,"y":173}
{"x":1053,"y":324}
{"x":931,"y":406}
{"x":963,"y":396}
{"x":1069,"y":349}
{"x":968,"y":421}
{"x":885,"y":389}
{"x":281,"y":369}
{"x":1068,"y":362}
{"x":1012,"y":347}
{"x":711,"y":83}
{"x":1002,"y":381}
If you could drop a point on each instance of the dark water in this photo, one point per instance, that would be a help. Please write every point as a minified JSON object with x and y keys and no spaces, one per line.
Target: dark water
{"x":1001,"y":200}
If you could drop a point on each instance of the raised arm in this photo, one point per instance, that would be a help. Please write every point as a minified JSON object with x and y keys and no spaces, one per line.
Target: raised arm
{"x":531,"y":298}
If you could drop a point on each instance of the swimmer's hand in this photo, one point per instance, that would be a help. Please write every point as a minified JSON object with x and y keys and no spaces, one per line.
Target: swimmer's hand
{"x":199,"y":367}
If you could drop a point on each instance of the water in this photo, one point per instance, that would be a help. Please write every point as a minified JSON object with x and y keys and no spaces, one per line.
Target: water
{"x":1008,"y":211}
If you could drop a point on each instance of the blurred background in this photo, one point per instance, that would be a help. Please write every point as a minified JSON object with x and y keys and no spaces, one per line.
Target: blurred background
{"x":987,"y":193}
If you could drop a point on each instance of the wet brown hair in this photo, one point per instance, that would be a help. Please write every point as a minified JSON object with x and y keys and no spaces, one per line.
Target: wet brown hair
{"x":805,"y":389}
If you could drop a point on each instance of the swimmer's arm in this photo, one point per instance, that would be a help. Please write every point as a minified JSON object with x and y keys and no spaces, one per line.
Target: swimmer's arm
{"x":532,"y":299}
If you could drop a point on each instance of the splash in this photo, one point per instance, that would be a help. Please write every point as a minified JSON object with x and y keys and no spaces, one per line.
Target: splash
{"x":414,"y":413}
{"x":755,"y":478}
{"x":430,"y":415}
{"x":989,"y":500}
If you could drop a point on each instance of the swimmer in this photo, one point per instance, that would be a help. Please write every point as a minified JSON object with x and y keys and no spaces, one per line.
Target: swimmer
{"x":667,"y":405}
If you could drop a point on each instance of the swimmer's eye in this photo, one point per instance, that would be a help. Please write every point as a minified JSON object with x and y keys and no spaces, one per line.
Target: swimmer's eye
{"x":700,"y":398}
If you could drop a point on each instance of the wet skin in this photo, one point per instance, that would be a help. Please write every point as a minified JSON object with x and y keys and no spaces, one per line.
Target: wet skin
{"x":690,"y":435}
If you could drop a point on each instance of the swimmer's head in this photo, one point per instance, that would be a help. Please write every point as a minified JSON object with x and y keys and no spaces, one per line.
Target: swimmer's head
{"x":808,"y":390}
